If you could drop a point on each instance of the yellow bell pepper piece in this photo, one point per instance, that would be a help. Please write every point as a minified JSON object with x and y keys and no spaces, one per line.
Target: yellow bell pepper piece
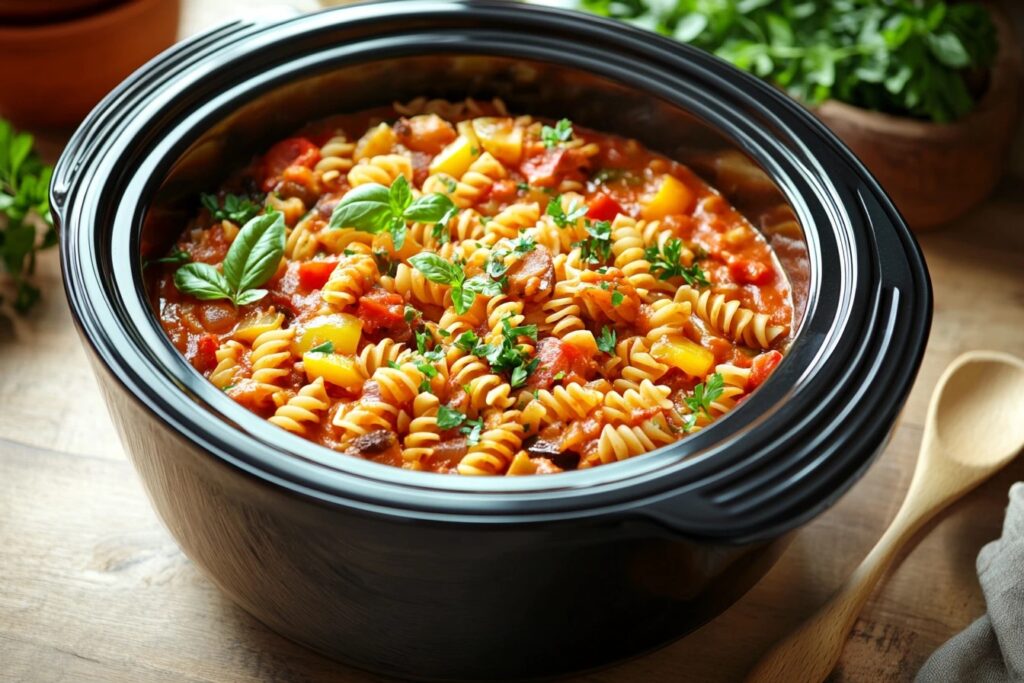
{"x":334,"y":368}
{"x":456,"y":157}
{"x":248,"y":330}
{"x":680,"y":352}
{"x":341,"y":329}
{"x":500,"y":137}
{"x":672,"y":198}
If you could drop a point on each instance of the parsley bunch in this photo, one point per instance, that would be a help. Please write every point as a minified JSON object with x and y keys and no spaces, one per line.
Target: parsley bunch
{"x":906,"y":57}
{"x":597,"y":247}
{"x":553,"y":136}
{"x":25,"y":209}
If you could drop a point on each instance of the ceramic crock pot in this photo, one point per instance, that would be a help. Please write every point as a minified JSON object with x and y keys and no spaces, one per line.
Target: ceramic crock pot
{"x":429,"y":576}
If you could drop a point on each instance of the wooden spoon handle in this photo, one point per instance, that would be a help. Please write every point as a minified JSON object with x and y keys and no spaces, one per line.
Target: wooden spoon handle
{"x":811,"y":652}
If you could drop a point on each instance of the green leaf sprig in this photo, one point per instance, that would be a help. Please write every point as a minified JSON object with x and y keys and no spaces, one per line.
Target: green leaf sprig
{"x":701,"y":399}
{"x":463,"y":290}
{"x":666,"y":263}
{"x":26,"y":226}
{"x":607,"y":340}
{"x":237,"y":209}
{"x":450,"y":418}
{"x":596,"y":248}
{"x":906,"y":57}
{"x":374,"y":208}
{"x":253,"y":258}
{"x":561,"y":132}
{"x":563,"y":218}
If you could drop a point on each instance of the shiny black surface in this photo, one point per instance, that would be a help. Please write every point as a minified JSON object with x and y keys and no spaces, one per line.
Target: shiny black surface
{"x":441,"y":559}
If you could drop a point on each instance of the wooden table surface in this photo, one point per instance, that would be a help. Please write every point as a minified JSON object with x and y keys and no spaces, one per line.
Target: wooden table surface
{"x":92,"y":588}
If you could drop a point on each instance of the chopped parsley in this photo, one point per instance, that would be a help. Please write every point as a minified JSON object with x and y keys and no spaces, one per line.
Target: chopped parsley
{"x":617,"y":297}
{"x":598,"y":246}
{"x":666,"y":263}
{"x":410,"y":314}
{"x":237,"y":209}
{"x":449,"y":418}
{"x":702,"y":398}
{"x":472,"y":429}
{"x":563,"y":218}
{"x":606,"y":341}
{"x":561,"y":132}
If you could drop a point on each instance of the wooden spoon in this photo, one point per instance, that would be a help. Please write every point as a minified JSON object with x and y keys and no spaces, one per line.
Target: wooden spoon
{"x":975,"y":425}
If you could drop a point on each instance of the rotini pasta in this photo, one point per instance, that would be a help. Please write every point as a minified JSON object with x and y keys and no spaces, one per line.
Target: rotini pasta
{"x":459,"y":290}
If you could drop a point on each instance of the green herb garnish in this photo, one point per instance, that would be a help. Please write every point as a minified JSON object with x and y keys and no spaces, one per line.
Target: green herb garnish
{"x":177,"y":256}
{"x":562,"y":132}
{"x":598,"y":246}
{"x":472,"y":429}
{"x":606,"y":341}
{"x":449,"y":418}
{"x":463,"y":290}
{"x":701,"y":399}
{"x":666,"y":264}
{"x":237,"y":209}
{"x":253,"y":258}
{"x":326,"y":347}
{"x":374,"y":208}
{"x":563,"y":218}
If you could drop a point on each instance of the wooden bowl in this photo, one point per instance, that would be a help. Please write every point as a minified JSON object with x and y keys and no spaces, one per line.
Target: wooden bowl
{"x":53,"y":74}
{"x":936,"y":172}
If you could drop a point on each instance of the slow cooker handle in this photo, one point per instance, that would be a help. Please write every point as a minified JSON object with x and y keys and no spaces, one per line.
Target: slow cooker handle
{"x":124,"y":100}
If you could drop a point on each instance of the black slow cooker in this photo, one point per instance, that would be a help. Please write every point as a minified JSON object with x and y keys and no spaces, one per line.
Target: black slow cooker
{"x":463,"y":578}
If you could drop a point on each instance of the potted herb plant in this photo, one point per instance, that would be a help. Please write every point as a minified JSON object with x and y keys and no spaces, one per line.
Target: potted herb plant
{"x":925,"y":92}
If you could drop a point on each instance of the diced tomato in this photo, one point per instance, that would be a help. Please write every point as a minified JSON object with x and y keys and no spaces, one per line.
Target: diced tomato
{"x":289,"y":152}
{"x":746,"y":272}
{"x":206,"y":352}
{"x":314,"y":274}
{"x":381,"y":310}
{"x":603,"y":208}
{"x":556,"y":357}
{"x":762,"y":367}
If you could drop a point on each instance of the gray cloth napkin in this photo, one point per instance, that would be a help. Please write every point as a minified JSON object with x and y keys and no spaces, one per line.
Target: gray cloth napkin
{"x":992,"y":648}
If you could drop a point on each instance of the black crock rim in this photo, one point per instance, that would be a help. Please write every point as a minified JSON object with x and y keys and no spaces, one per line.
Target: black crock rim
{"x":776,"y":461}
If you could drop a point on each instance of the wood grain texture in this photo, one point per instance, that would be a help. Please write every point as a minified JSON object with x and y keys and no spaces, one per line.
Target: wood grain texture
{"x":93,"y":589}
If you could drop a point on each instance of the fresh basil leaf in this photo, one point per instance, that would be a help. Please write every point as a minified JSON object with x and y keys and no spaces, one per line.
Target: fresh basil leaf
{"x":462,"y":299}
{"x":399,"y":196}
{"x":249,"y":296}
{"x":256,"y":252}
{"x":436,"y":269}
{"x":202,"y":281}
{"x":366,"y":208}
{"x":430,"y":208}
{"x":482,"y":285}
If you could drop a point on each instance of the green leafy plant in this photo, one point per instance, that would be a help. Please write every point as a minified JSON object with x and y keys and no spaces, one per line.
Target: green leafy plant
{"x":701,"y":399}
{"x":253,"y":259}
{"x":913,"y":58}
{"x":25,"y":222}
{"x":374,"y":208}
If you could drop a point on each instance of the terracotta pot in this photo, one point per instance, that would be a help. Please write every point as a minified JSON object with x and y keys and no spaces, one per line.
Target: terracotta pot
{"x":51,"y":10}
{"x":53,"y":74}
{"x":936,"y":172}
